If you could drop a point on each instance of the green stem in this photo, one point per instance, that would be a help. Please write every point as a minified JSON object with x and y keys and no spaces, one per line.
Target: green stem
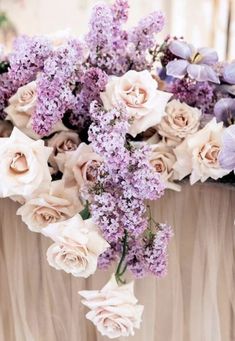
{"x":119,"y":273}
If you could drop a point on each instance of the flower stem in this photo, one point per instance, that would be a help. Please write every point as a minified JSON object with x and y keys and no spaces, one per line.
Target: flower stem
{"x":120,"y":271}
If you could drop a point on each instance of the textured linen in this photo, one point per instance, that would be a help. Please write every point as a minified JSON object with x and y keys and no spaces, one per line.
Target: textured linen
{"x":195,"y":302}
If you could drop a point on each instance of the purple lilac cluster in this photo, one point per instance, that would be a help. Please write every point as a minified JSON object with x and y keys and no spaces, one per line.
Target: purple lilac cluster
{"x":142,"y":39}
{"x":7,"y":89}
{"x":109,"y":256}
{"x":92,"y":82}
{"x":126,"y":178}
{"x":197,"y":94}
{"x":28,"y":59}
{"x":56,"y":85}
{"x":150,"y":256}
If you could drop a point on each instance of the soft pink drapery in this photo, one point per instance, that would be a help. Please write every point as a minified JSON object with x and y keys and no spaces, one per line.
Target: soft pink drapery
{"x":195,"y":302}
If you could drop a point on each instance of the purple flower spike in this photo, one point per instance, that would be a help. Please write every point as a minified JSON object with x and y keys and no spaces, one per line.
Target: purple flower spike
{"x":229,"y":73}
{"x":196,"y":63}
{"x":227,"y":154}
{"x":224,"y":110}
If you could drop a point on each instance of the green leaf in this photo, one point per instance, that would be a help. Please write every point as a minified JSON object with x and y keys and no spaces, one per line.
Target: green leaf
{"x":85,"y":213}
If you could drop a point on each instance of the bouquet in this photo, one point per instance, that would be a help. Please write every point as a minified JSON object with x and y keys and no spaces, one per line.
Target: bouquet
{"x":93,"y":129}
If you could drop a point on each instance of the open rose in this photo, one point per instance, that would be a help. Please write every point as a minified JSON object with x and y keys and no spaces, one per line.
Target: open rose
{"x":77,"y":246}
{"x":138,"y":92}
{"x":180,"y":121}
{"x":23,"y":164}
{"x":5,"y":128}
{"x":198,"y":154}
{"x":163,"y":159}
{"x":21,"y":107}
{"x":113,"y":309}
{"x":80,"y":166}
{"x":58,"y":204}
{"x":62,"y":142}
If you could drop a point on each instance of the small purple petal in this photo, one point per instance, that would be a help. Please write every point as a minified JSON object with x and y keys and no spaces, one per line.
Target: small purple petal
{"x":209,"y":56}
{"x":177,"y":68}
{"x":230,"y":89}
{"x":229,"y":73}
{"x":202,"y":73}
{"x":227,"y":155}
{"x":181,"y":49}
{"x":224,"y":109}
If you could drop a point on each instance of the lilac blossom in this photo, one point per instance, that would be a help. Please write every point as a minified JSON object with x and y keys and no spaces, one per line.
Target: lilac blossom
{"x":197,"y":63}
{"x":142,"y":38}
{"x":27,"y":58}
{"x":55,"y":86}
{"x":227,"y":154}
{"x":224,"y":110}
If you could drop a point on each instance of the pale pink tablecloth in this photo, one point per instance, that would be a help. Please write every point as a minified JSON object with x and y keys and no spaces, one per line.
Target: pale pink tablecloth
{"x":195,"y":302}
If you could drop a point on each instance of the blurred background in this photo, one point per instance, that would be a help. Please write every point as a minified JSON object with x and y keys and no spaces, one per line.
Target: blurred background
{"x":202,"y":22}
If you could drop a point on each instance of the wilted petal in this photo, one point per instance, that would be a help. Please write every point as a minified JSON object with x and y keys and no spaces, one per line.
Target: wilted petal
{"x":225,"y":109}
{"x":209,"y":56}
{"x":227,"y":155}
{"x":181,"y":49}
{"x":177,"y":68}
{"x":229,"y":73}
{"x":202,"y":73}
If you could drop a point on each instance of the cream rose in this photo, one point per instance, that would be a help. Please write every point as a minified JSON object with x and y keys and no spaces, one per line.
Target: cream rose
{"x":80,"y":166}
{"x":21,"y":107}
{"x":113,"y":309}
{"x":58,"y":204}
{"x":23,"y":165}
{"x":5,"y":128}
{"x":198,"y":154}
{"x":62,"y":142}
{"x":180,"y":121}
{"x":138,"y":92}
{"x":77,"y":246}
{"x":162,"y":158}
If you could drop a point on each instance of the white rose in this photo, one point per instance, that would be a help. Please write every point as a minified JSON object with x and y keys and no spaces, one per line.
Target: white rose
{"x":62,"y":142}
{"x":80,"y":166}
{"x":23,"y":165}
{"x":113,"y":309}
{"x":180,"y":121}
{"x":163,"y":159}
{"x":77,"y":246}
{"x":21,"y":107}
{"x":198,"y":154}
{"x":138,"y":92}
{"x":58,"y":204}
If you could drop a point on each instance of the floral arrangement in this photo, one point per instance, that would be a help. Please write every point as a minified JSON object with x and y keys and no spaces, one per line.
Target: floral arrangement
{"x":93,"y":129}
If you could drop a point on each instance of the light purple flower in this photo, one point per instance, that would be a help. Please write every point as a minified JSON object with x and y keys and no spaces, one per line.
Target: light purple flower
{"x":224,"y":110}
{"x":197,"y":63}
{"x":229,"y":73}
{"x":227,"y":154}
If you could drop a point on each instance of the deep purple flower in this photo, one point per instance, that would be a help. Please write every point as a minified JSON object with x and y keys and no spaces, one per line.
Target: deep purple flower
{"x":227,"y":154}
{"x":224,"y":110}
{"x":197,"y":63}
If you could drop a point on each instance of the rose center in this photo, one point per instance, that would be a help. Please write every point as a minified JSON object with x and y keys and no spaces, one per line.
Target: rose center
{"x":180,"y":120}
{"x":19,"y":164}
{"x":68,"y":145}
{"x":136,"y":96}
{"x":210,"y":153}
{"x":159,"y":166}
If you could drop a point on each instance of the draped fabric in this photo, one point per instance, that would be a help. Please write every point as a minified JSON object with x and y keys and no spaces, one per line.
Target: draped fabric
{"x":202,"y":22}
{"x":194,"y":302}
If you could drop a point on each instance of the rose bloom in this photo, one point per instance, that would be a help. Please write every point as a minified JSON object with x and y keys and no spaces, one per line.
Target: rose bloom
{"x":6,"y":128}
{"x":23,"y":164}
{"x":198,"y":154}
{"x":77,"y":246}
{"x":138,"y":92}
{"x":80,"y":166}
{"x":113,"y":309}
{"x":21,"y":107}
{"x":180,"y":121}
{"x":162,"y":158}
{"x":58,"y":204}
{"x":62,"y":142}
